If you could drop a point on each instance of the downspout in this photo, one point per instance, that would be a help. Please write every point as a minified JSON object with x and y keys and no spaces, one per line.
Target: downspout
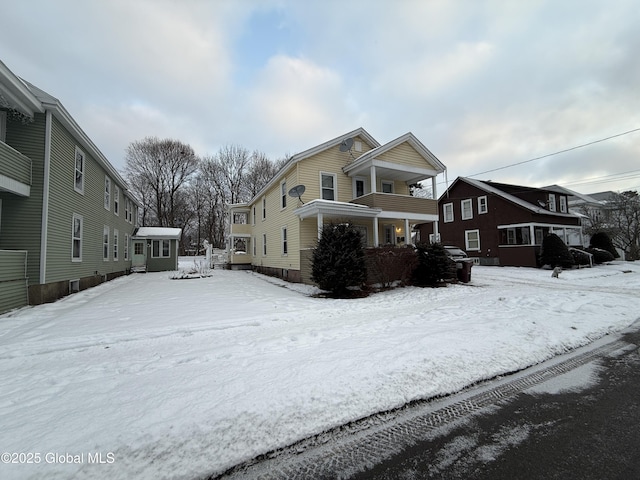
{"x":45,"y":198}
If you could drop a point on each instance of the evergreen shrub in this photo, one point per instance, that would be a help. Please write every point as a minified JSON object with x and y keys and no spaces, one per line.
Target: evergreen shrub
{"x":603,"y":241}
{"x":600,"y":255}
{"x":555,"y":253}
{"x":339,"y":260}
{"x":434,"y":265}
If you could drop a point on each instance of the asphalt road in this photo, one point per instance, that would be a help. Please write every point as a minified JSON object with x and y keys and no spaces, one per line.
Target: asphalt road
{"x":591,"y":431}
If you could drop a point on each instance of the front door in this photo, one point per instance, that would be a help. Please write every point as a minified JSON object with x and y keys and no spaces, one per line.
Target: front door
{"x":139,"y":258}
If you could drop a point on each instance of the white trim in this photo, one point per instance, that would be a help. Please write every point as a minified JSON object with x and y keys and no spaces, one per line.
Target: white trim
{"x":106,"y":249}
{"x":115,"y":244}
{"x":264,"y":244}
{"x":284,"y":241}
{"x":462,"y":203}
{"x":160,"y":248}
{"x":334,"y":188}
{"x":283,"y":195}
{"x":77,"y":152}
{"x":14,"y":186}
{"x":44,"y":234}
{"x":486,"y":205}
{"x":563,"y":204}
{"x":116,"y":200}
{"x":466,"y":240}
{"x":254,"y":246}
{"x":126,"y":245}
{"x":355,"y":188}
{"x":444,"y":212}
{"x":264,"y":208}
{"x":73,"y":237}
{"x":552,"y":202}
{"x":107,"y":193}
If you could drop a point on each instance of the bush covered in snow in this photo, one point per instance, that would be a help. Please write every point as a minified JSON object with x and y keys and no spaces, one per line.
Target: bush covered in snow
{"x":580,"y":258}
{"x":555,"y":253}
{"x":339,"y":260}
{"x":434,"y":265}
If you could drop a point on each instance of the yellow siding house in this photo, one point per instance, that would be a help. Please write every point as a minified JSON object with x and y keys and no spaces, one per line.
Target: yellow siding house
{"x":352,"y":178}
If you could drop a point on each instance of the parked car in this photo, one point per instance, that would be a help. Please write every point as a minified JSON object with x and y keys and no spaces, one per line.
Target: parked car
{"x":455,"y":253}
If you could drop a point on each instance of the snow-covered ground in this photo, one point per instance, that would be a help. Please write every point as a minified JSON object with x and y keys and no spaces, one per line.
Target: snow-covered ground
{"x":160,"y":378}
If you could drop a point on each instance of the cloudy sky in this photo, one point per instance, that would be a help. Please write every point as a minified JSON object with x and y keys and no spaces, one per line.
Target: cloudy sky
{"x":483,"y":84}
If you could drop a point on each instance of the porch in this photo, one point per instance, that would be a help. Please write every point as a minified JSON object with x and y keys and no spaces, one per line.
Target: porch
{"x":238,"y":246}
{"x":15,"y":171}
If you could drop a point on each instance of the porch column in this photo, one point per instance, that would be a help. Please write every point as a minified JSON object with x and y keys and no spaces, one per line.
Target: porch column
{"x":436,"y":232}
{"x":320,"y":224}
{"x":434,"y":188}
{"x":407,"y":233}
{"x":376,"y":242}
{"x":532,"y":233}
{"x":374,"y":181}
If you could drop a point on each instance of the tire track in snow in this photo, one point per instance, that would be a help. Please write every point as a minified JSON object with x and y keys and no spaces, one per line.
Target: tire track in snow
{"x":352,"y":448}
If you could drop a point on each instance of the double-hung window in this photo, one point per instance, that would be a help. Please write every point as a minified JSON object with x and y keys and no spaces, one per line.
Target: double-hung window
{"x":482,"y":205}
{"x":160,"y":248}
{"x":283,"y":194}
{"x":328,"y":186}
{"x":115,"y":245}
{"x":79,"y":172}
{"x":285,"y":248}
{"x":447,"y":212}
{"x":563,"y":204}
{"x":552,"y":202}
{"x":264,"y":208}
{"x":126,"y":246}
{"x":472,"y":239}
{"x":264,"y":244}
{"x":466,"y":206}
{"x":105,"y":243}
{"x":107,"y":193}
{"x":76,"y":238}
{"x":387,"y":187}
{"x":116,"y":200}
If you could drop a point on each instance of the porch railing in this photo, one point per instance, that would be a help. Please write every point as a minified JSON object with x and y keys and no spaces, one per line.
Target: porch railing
{"x":398,"y":203}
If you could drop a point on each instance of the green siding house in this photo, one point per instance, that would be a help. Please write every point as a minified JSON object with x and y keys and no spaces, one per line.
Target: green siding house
{"x":66,"y":214}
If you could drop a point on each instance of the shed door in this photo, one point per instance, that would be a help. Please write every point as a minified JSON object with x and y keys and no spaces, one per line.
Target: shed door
{"x":139,"y":257}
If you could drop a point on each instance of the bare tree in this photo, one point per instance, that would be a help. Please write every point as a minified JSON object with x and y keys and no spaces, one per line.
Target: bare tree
{"x":624,"y":219}
{"x":260,"y":171}
{"x":159,"y":171}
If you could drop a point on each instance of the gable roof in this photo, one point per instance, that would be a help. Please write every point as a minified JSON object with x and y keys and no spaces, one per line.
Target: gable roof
{"x":577,"y":196}
{"x":334,"y":142}
{"x":408,"y":137}
{"x":16,"y":95}
{"x":494,"y":188}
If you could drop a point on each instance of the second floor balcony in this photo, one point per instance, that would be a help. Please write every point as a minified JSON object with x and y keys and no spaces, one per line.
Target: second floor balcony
{"x":393,"y":204}
{"x":15,"y":171}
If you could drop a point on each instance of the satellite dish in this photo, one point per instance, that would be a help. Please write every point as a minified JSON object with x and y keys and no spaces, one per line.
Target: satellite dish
{"x":346,"y":145}
{"x":297,"y":192}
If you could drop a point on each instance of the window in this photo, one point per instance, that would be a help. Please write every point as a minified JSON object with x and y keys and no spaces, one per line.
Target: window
{"x":264,"y":208}
{"x":447,"y":211}
{"x":283,"y":194}
{"x":115,"y":245}
{"x":357,"y":145}
{"x":467,"y":209}
{"x":107,"y":193}
{"x":116,"y":200}
{"x":552,"y":202}
{"x":76,"y":238}
{"x":160,"y":248}
{"x":105,"y":243}
{"x":563,"y":204}
{"x":472,"y":239}
{"x":79,"y":169}
{"x":387,"y":187}
{"x":126,"y":246}
{"x":285,"y":248}
{"x":515,"y":236}
{"x":482,"y":205}
{"x":126,"y":209}
{"x":328,"y":186}
{"x":253,"y":217}
{"x":138,"y":248}
{"x":358,"y":187}
{"x":253,"y":243}
{"x":264,"y":244}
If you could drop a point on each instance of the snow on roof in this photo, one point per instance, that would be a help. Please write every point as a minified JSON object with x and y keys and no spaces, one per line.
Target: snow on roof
{"x":158,"y":232}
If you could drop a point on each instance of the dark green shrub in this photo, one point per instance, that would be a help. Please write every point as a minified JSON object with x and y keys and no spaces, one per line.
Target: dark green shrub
{"x":434,"y":265}
{"x":603,"y":241}
{"x":600,"y":255}
{"x":555,"y":253}
{"x":338,"y":260}
{"x":580,"y":258}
